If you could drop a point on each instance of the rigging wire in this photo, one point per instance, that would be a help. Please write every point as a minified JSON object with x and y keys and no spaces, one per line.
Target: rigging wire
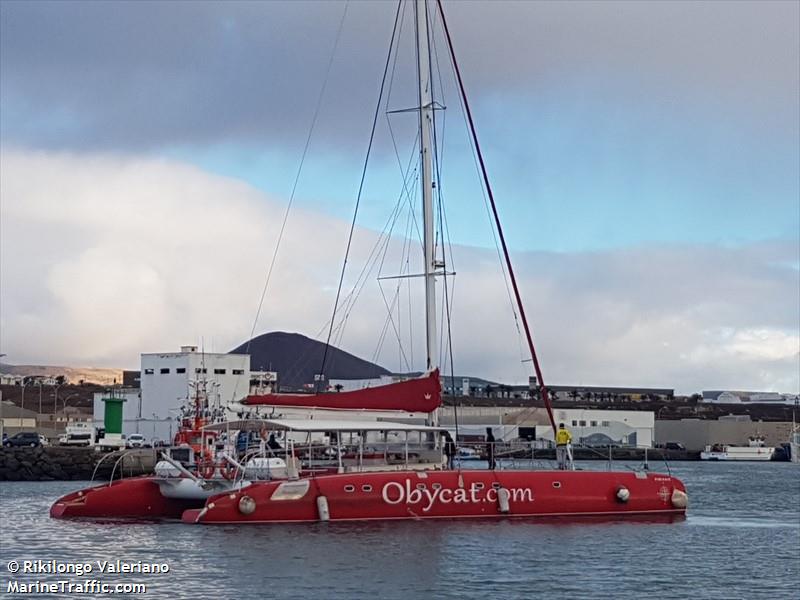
{"x":404,"y":269}
{"x":360,"y":188}
{"x":438,"y":155}
{"x":542,"y":387}
{"x":372,"y":259}
{"x":296,"y":179}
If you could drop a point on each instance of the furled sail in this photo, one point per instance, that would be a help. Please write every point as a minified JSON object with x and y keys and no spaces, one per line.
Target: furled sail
{"x":422,"y":394}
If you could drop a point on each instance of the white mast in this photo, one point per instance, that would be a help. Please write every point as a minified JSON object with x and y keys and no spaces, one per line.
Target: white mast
{"x":426,"y":158}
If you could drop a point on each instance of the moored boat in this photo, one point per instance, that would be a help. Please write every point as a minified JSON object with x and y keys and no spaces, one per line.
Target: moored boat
{"x":188,"y":473}
{"x":756,"y":450}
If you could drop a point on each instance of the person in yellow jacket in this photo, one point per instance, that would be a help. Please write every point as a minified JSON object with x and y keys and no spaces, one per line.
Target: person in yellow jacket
{"x":563,"y":438}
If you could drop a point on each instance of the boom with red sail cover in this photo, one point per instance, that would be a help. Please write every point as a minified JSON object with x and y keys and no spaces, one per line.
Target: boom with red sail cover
{"x":423,"y":394}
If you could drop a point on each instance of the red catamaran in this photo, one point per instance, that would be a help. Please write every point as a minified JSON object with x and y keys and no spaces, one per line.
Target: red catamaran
{"x":385,"y":470}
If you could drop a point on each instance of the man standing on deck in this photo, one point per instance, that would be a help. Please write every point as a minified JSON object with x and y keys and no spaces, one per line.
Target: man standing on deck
{"x":563,"y":438}
{"x":490,"y":448}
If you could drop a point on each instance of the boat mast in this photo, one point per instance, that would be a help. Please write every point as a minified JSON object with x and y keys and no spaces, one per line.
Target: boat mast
{"x":426,"y":159}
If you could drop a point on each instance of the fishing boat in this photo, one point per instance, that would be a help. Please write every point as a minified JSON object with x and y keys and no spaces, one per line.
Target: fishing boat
{"x":756,"y":450}
{"x":197,"y":466}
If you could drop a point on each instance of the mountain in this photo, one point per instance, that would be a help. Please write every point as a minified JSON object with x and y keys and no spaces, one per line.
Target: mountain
{"x":297,"y":358}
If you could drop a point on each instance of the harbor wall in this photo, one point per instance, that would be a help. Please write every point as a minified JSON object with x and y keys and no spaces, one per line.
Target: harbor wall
{"x":695,"y":434}
{"x":64,"y":463}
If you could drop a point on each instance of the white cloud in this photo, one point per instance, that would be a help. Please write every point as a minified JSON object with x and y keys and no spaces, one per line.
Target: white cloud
{"x":104,"y":258}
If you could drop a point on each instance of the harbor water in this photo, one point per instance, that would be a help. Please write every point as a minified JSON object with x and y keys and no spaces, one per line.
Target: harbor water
{"x":741,"y":539}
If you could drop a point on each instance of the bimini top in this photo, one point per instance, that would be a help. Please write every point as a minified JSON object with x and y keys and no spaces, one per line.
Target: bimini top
{"x":319,"y":425}
{"x":421,"y":394}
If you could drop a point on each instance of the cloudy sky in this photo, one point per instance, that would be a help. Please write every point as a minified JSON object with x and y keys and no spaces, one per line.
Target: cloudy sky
{"x":644,"y":156}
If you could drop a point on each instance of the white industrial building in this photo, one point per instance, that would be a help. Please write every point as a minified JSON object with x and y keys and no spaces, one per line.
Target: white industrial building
{"x":587,"y":426}
{"x":166,"y":383}
{"x":729,"y":397}
{"x":165,"y":377}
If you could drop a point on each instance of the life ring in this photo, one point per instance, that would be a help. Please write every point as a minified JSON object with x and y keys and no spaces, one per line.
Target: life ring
{"x":207,"y":466}
{"x":227,"y":469}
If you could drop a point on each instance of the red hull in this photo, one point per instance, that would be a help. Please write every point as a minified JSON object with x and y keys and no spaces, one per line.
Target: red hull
{"x":448,"y":494}
{"x":135,"y":498}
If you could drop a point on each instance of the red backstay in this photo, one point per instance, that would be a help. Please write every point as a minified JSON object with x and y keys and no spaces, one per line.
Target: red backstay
{"x":423,"y":394}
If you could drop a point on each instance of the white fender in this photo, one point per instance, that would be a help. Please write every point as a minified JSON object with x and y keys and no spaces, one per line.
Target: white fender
{"x":623,"y":493}
{"x":679,"y":499}
{"x":503,"y":496}
{"x":323,"y":509}
{"x":246,"y":505}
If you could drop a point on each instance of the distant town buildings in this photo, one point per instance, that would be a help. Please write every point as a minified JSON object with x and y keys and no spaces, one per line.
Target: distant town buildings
{"x":20,"y":380}
{"x":154,"y":396}
{"x":475,"y":387}
{"x":15,"y":418}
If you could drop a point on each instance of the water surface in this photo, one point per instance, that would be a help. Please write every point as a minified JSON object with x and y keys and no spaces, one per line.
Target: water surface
{"x":741,"y":539}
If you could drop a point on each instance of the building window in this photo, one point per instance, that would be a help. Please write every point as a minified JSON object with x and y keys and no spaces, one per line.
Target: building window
{"x":594,"y":423}
{"x":165,"y":371}
{"x":574,"y":423}
{"x":583,"y":423}
{"x":199,"y":370}
{"x":606,"y":423}
{"x":148,"y":371}
{"x":238,"y":371}
{"x":180,"y":370}
{"x":219,"y":371}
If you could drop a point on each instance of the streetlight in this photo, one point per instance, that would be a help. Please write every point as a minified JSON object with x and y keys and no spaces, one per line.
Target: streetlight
{"x":22,"y":402}
{"x":64,"y":410}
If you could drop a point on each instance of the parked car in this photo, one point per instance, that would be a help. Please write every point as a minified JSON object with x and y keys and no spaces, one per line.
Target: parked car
{"x":674,"y":446}
{"x":135,"y":440}
{"x":23,"y":438}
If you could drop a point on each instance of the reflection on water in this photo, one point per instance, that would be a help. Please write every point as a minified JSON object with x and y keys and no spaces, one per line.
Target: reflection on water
{"x":739,"y":540}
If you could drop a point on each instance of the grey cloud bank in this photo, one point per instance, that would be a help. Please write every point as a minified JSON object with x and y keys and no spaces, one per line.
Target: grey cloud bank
{"x":132,"y":76}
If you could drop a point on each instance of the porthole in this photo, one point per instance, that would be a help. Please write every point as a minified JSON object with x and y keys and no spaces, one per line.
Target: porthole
{"x":436,"y":486}
{"x":478,"y":485}
{"x":349,"y":488}
{"x":420,"y":486}
{"x":496,"y":485}
{"x":556,"y":484}
{"x":366,"y":488}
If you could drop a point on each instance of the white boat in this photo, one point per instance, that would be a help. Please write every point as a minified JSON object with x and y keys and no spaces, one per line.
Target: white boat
{"x":756,"y":450}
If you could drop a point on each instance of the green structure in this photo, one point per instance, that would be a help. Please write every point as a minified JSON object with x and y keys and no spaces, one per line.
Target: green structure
{"x":112,"y":419}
